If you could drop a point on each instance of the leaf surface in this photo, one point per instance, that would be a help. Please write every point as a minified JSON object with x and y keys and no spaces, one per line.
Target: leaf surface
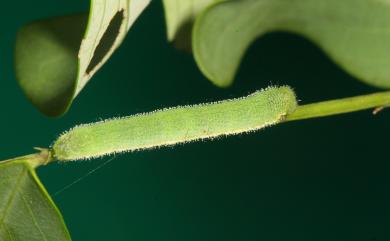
{"x":56,"y":57}
{"x":27,"y":212}
{"x":354,"y":33}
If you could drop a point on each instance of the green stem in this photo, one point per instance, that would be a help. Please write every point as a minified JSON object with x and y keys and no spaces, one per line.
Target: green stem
{"x":340,"y":106}
{"x":43,"y":157}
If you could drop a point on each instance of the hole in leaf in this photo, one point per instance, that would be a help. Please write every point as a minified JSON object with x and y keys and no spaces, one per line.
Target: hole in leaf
{"x":106,"y":41}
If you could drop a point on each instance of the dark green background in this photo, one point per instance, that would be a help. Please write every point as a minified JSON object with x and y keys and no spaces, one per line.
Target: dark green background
{"x":323,"y":179}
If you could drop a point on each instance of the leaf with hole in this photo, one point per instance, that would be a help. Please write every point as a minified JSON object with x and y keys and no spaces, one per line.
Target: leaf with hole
{"x":27,"y":212}
{"x":56,"y":57}
{"x":354,"y":33}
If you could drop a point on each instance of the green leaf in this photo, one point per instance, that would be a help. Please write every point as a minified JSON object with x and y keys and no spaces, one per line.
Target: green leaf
{"x":354,"y":33}
{"x":56,"y":57}
{"x":180,"y":16}
{"x":27,"y":213}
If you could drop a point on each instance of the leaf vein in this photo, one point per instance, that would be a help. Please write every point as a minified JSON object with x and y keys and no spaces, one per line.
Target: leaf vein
{"x":31,"y":212}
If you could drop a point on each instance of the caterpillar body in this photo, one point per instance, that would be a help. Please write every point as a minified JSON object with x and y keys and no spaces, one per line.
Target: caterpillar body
{"x":176,"y":125}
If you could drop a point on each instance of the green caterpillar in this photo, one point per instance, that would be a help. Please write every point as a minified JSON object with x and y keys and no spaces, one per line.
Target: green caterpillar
{"x":176,"y":125}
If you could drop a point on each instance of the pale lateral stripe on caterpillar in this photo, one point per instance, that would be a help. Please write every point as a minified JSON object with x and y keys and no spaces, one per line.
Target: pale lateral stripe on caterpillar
{"x":176,"y":125}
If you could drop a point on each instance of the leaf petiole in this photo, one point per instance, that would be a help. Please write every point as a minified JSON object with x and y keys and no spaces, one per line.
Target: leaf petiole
{"x":43,"y":157}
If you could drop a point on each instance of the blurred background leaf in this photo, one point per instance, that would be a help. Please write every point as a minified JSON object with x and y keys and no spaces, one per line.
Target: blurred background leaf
{"x":354,"y":33}
{"x":180,"y":17}
{"x":56,"y":57}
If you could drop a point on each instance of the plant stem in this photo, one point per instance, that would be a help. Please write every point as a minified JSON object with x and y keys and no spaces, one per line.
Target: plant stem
{"x":340,"y":106}
{"x":43,"y":157}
